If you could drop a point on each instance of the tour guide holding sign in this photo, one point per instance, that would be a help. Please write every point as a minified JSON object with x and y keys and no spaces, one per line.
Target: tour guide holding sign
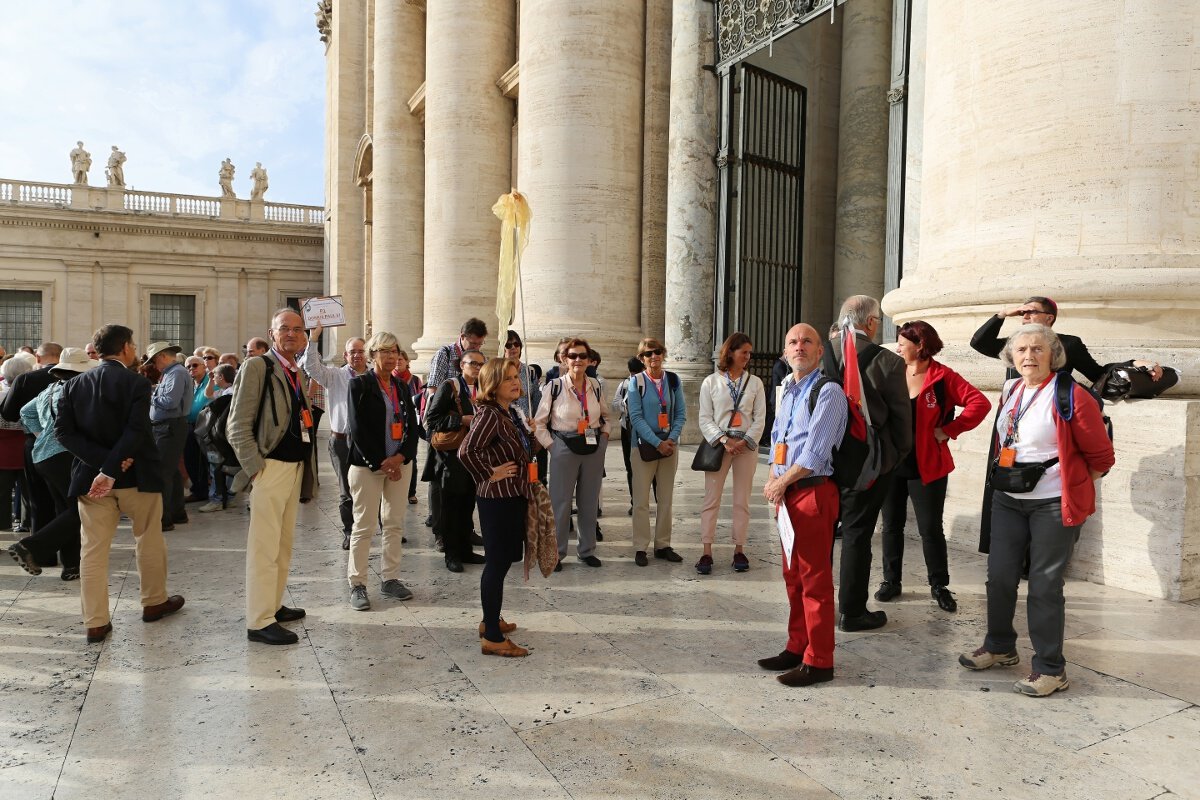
{"x":806,"y":500}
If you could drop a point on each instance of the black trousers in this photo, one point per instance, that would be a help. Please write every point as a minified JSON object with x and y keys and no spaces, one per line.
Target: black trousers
{"x":453,"y":522}
{"x":860,"y":512}
{"x":929,"y":503}
{"x":60,"y":537}
{"x":502,"y":525}
{"x":170,"y":436}
{"x":339,"y":455}
{"x":9,"y":479}
{"x":35,"y":492}
{"x":195,"y":462}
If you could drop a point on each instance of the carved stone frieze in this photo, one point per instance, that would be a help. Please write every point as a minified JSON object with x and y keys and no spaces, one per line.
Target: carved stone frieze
{"x":324,"y":16}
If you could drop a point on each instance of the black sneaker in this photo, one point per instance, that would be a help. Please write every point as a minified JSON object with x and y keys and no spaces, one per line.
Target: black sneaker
{"x":887,"y":591}
{"x":944,"y":598}
{"x":668,"y":554}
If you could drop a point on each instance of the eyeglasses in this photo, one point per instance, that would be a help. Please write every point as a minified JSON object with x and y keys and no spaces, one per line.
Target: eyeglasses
{"x":357,"y":352}
{"x":576,"y":356}
{"x":472,"y":363}
{"x":658,"y":351}
{"x":209,"y":358}
{"x":1033,"y":312}
{"x":390,"y":351}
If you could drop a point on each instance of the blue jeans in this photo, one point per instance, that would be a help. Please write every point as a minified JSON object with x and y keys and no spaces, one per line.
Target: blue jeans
{"x":1036,"y":525}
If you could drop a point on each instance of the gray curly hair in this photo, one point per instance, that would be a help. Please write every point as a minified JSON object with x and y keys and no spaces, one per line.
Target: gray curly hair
{"x":1058,"y":355}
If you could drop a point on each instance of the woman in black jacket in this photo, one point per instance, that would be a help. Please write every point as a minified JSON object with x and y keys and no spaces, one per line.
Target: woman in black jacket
{"x":383,"y":444}
{"x":452,"y":410}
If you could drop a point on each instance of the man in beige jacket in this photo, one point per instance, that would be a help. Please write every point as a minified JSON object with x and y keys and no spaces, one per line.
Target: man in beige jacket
{"x":271,"y":430}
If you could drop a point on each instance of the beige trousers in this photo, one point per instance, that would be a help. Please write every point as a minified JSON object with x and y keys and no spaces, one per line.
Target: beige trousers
{"x":644,"y":473}
{"x":714,"y":486}
{"x":273,"y":506}
{"x":368,"y":489}
{"x":98,"y":526}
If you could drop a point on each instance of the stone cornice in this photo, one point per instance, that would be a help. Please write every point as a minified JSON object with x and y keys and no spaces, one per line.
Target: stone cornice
{"x":510,"y":82}
{"x":146,"y":227}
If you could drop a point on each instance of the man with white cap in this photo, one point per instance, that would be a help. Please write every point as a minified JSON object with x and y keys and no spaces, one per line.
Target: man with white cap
{"x":170,"y":404}
{"x":60,"y":537}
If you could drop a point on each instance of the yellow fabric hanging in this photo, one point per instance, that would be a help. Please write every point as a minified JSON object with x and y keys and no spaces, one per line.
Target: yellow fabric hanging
{"x":513,"y":211}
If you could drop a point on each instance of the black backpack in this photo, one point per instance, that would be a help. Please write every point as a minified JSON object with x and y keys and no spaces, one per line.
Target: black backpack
{"x":211,"y":433}
{"x":211,"y":429}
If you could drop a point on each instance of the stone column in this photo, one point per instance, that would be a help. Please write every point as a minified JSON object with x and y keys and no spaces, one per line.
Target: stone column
{"x":468,"y":130}
{"x":1073,"y":175}
{"x":655,"y":122}
{"x":862,"y":149}
{"x":581,"y":167}
{"x":346,"y":123}
{"x":691,"y":202}
{"x":398,"y":173}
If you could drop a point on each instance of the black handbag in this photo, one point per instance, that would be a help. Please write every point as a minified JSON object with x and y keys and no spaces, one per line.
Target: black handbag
{"x":578,"y":444}
{"x":1019,"y":478}
{"x":708,"y":457}
{"x":648,"y":452}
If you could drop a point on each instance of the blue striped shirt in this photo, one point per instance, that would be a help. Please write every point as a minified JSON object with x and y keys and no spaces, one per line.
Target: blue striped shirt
{"x":810,"y":438}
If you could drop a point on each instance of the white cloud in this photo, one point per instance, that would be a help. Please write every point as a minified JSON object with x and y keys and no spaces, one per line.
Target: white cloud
{"x":177,"y":85}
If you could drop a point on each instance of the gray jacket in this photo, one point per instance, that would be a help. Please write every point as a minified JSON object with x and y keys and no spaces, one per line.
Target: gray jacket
{"x":250,"y":446}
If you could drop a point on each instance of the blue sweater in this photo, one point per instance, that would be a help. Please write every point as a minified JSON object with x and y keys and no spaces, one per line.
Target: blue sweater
{"x":643,"y":415}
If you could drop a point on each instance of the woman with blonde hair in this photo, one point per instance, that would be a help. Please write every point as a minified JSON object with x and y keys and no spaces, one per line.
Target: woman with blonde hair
{"x":383,"y":444}
{"x":498,"y":452}
{"x":733,"y":413}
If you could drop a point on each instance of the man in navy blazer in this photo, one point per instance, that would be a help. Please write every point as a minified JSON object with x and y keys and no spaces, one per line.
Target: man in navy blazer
{"x":104,"y":421}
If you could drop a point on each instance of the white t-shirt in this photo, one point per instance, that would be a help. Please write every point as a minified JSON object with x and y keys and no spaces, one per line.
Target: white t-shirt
{"x":1038,"y":436}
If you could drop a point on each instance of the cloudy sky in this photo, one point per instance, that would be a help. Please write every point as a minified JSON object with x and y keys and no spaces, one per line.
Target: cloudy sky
{"x":178,"y":85}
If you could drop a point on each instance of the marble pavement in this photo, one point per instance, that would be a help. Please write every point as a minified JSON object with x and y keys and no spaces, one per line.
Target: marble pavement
{"x":641,"y":684}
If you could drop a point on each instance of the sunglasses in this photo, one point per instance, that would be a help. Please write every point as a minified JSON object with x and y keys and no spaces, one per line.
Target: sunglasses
{"x":658,"y":351}
{"x":577,"y":356}
{"x":472,"y":363}
{"x":209,"y":358}
{"x":512,"y":345}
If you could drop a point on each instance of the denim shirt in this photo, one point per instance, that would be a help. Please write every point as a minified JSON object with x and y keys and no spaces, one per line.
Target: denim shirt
{"x":38,"y":418}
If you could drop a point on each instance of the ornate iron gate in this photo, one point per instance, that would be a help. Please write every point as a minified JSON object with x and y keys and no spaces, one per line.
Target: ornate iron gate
{"x":764,"y":211}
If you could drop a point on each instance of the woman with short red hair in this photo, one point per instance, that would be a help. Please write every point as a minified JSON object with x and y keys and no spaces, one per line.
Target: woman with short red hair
{"x":935,"y":391}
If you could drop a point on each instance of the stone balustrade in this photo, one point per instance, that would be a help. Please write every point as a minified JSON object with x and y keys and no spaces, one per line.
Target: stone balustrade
{"x":125,"y":200}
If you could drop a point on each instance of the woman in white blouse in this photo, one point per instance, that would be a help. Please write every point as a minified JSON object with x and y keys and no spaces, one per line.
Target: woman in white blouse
{"x":733,"y":411}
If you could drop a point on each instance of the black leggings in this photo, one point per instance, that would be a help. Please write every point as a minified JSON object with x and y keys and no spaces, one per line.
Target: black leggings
{"x":502,"y":523}
{"x":929,"y":503}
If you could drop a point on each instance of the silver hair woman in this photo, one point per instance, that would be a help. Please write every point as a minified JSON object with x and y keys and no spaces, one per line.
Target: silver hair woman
{"x":1058,"y":354}
{"x":1044,"y":479}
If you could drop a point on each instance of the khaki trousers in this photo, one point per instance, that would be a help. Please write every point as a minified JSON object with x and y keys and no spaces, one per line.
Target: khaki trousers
{"x":98,"y":521}
{"x":714,"y":486}
{"x":368,"y":489}
{"x":273,"y":506}
{"x":644,"y":473}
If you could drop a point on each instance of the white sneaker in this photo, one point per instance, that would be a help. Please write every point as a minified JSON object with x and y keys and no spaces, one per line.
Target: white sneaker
{"x":211,"y":505}
{"x":1039,"y":685}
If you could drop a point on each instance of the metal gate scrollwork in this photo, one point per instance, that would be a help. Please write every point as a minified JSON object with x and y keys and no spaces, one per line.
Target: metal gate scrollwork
{"x":744,"y":26}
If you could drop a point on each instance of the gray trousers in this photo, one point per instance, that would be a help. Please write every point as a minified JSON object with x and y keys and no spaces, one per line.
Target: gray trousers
{"x":1036,"y":525}
{"x":170,"y":436}
{"x":576,"y":476}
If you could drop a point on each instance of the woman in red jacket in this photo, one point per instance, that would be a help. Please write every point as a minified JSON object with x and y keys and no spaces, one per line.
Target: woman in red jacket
{"x":1051,"y":445}
{"x":935,"y":391}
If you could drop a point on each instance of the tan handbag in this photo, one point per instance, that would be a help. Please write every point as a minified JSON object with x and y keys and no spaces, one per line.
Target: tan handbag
{"x":450,"y":440}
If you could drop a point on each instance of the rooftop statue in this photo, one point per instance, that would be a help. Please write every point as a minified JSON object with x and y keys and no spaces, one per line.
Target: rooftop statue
{"x":81,"y":162}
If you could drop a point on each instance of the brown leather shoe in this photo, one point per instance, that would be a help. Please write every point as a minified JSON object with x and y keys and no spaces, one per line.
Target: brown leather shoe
{"x":505,"y":627}
{"x":157,"y":612}
{"x":804,"y":675}
{"x":507,"y":648}
{"x":97,"y":635}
